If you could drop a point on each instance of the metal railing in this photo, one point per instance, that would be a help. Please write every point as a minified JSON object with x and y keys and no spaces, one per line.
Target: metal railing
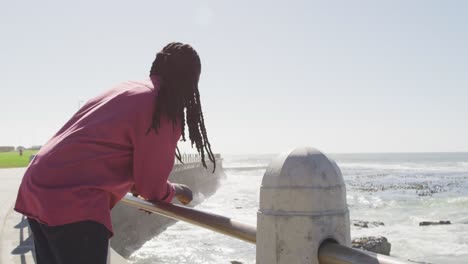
{"x":193,"y":158}
{"x":329,"y":252}
{"x":206,"y":220}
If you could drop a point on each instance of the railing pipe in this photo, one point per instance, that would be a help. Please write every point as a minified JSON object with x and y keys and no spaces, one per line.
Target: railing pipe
{"x":217,"y":223}
{"x":329,"y":253}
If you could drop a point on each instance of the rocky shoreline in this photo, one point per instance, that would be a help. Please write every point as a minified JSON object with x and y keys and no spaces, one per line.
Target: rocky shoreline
{"x":421,"y":189}
{"x":380,"y":244}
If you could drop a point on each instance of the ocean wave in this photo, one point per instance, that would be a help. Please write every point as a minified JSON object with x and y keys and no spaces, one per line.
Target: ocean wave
{"x":421,"y":167}
{"x":365,"y":201}
{"x":456,"y":202}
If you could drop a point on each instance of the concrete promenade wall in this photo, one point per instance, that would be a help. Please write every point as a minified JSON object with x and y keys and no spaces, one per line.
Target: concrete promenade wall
{"x":133,"y":227}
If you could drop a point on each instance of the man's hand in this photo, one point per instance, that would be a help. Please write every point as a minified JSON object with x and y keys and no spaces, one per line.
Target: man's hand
{"x":183,"y":193}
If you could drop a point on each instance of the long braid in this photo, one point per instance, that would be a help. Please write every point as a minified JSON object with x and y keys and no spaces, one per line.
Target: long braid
{"x":178,"y":68}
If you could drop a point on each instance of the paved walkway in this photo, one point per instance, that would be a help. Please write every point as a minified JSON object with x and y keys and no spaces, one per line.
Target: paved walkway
{"x":16,"y":244}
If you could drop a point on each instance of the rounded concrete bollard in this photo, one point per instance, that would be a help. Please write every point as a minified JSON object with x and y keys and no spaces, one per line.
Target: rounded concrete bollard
{"x":302,"y":204}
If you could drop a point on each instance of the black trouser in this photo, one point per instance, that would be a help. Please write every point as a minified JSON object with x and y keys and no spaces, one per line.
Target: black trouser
{"x":83,"y":242}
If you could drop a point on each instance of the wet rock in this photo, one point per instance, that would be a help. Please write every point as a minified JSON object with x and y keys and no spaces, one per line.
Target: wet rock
{"x":362,"y":224}
{"x":367,"y":224}
{"x":427,"y":188}
{"x":428,"y":223}
{"x":379,"y":245}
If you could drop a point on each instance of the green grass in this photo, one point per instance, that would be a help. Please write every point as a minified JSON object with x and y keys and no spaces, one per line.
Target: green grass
{"x":14,"y":160}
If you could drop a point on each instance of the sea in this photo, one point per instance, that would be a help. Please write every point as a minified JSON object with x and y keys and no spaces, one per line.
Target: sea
{"x":398,"y":189}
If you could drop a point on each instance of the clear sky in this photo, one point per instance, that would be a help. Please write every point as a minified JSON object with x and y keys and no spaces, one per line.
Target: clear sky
{"x":342,"y":76}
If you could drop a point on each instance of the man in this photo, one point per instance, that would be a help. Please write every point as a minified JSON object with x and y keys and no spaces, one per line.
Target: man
{"x":122,"y":140}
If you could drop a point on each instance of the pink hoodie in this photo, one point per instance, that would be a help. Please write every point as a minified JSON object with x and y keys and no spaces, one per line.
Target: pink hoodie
{"x":98,"y":156}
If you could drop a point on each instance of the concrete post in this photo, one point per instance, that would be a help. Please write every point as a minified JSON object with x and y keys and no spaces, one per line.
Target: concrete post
{"x":302,"y":204}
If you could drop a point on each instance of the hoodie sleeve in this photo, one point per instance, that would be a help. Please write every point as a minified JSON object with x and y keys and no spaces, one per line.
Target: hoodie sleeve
{"x":153,"y":155}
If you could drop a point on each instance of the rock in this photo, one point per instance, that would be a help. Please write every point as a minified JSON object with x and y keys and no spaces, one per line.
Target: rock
{"x":379,"y":245}
{"x":363,"y":224}
{"x":429,"y":190}
{"x":428,"y":223}
{"x":367,"y":224}
{"x":236,"y":262}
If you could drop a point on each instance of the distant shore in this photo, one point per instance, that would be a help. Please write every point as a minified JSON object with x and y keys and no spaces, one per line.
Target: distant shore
{"x":13,"y":159}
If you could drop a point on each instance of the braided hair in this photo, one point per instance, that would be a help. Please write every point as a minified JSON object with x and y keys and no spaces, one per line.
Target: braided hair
{"x":178,"y":67}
